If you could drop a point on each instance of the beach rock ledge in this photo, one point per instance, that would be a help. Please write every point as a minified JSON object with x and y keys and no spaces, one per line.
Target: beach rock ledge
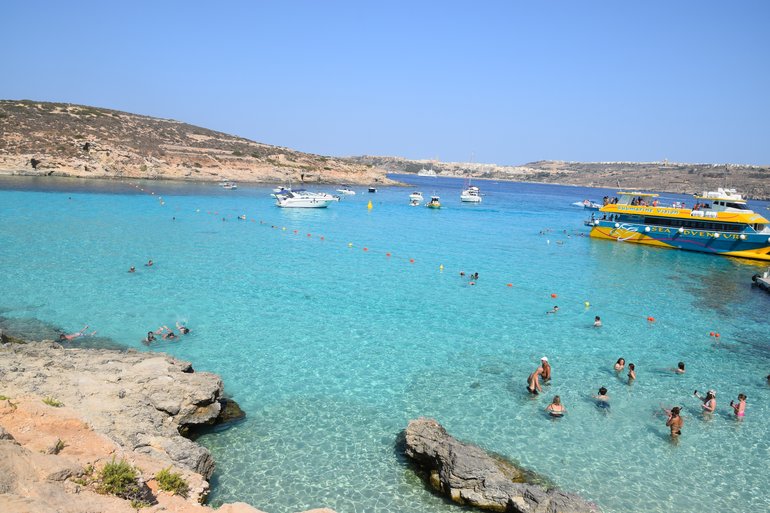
{"x":470,"y":476}
{"x":142,"y":401}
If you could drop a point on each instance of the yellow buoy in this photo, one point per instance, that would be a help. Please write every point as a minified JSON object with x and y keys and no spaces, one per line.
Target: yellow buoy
{"x":441,"y":267}
{"x":587,"y":304}
{"x":350,"y":244}
{"x":369,"y":206}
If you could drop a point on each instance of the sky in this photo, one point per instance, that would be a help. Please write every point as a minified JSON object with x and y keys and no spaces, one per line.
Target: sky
{"x":505,"y":82}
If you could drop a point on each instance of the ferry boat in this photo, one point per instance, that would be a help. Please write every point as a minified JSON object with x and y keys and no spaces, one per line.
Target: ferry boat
{"x":719,"y":223}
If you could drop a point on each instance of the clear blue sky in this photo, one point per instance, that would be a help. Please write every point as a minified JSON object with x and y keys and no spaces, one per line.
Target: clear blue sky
{"x":508,"y":82}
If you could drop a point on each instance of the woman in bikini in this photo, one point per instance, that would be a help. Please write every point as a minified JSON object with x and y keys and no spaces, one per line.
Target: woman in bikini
{"x":674,"y":422}
{"x":740,"y":407}
{"x":556,"y":409}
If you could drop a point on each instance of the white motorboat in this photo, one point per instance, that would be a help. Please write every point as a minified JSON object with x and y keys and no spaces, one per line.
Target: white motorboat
{"x":345,"y":189}
{"x":372,"y":189}
{"x":416,"y":195}
{"x":278,"y":190}
{"x":304,"y":199}
{"x":472,"y":194}
{"x":228,"y":184}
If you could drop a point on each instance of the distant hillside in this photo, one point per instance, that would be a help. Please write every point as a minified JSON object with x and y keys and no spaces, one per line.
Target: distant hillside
{"x":752,"y":181}
{"x":60,"y":139}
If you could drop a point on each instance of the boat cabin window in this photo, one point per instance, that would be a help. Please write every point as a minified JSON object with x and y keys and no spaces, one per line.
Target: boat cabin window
{"x":730,"y":204}
{"x":693,"y":224}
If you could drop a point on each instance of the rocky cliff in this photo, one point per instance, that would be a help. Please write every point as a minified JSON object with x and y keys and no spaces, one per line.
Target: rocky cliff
{"x":60,"y":139}
{"x":752,"y":181}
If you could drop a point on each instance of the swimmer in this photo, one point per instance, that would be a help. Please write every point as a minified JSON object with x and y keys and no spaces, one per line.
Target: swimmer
{"x":533,"y":382}
{"x":674,"y":421}
{"x":597,"y":322}
{"x":170,"y":335}
{"x":132,"y":269}
{"x":150,"y":337}
{"x":475,"y":276}
{"x":740,"y":407}
{"x":81,"y":333}
{"x":631,"y":372}
{"x":546,"y":370}
{"x":555,"y":309}
{"x":184,"y":330}
{"x":602,"y":400}
{"x":709,"y":402}
{"x":556,"y":409}
{"x":620,"y":364}
{"x":149,"y":263}
{"x":679,"y":368}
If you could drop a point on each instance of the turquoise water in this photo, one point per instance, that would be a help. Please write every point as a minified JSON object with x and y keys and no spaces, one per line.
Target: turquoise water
{"x":331,"y":349}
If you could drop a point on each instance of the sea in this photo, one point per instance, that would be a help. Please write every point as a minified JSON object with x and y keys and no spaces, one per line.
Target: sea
{"x":333,"y":328}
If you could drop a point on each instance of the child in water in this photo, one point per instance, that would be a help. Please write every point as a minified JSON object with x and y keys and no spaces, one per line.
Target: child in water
{"x":602,"y":400}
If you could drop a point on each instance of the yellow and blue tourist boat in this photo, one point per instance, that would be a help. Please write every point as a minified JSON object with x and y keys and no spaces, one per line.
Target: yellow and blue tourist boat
{"x":719,"y":223}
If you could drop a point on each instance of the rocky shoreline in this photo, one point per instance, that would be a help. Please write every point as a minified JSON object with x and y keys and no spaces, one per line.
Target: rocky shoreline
{"x":65,"y":411}
{"x":469,"y":476}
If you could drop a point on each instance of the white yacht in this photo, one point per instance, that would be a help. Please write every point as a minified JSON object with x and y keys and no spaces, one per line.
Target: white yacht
{"x":304,"y":199}
{"x":345,"y":189}
{"x":426,"y":172}
{"x":416,"y":196}
{"x":471,"y":195}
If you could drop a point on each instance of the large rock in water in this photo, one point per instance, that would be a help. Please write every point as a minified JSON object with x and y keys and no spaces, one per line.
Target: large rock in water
{"x":470,"y":476}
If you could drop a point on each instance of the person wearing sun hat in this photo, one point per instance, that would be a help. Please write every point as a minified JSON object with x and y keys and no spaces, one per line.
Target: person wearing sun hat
{"x":546,"y":374}
{"x":709,"y":402}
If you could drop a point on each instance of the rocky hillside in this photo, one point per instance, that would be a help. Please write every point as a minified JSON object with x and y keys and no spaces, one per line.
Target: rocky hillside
{"x":60,"y":139}
{"x":752,"y":181}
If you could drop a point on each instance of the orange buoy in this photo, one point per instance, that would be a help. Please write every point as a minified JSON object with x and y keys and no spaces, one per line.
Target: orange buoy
{"x":366,"y":249}
{"x":651,"y":319}
{"x":711,"y":333}
{"x":554,"y":295}
{"x":509,"y":284}
{"x":309,"y":235}
{"x":295,"y":231}
{"x":716,"y":335}
{"x":322,"y":237}
{"x":387,"y":254}
{"x":411,"y":260}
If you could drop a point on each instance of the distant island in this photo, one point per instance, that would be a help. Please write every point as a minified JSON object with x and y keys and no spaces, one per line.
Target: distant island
{"x":62,"y":139}
{"x":751,"y":181}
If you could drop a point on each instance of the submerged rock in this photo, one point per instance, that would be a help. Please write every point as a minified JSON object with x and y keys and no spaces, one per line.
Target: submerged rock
{"x":470,"y":476}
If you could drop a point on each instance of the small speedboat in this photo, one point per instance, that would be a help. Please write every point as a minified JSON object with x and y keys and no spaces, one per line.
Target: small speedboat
{"x":304,"y":199}
{"x":345,"y":189}
{"x":372,"y":190}
{"x":587,"y":204}
{"x":434,"y":202}
{"x":416,"y":195}
{"x":228,"y":184}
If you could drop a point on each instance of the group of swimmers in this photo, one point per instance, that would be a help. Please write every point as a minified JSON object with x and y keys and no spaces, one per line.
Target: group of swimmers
{"x":674,"y":420}
{"x":132,"y":269}
{"x":165,"y":333}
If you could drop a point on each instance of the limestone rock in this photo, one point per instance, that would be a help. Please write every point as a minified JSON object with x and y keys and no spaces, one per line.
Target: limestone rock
{"x":470,"y":476}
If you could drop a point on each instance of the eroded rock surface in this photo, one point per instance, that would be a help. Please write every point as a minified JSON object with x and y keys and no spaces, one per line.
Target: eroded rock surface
{"x":470,"y":476}
{"x":139,"y":400}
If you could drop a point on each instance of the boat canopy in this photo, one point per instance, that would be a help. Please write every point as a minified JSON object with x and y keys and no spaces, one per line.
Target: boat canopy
{"x":642,"y":194}
{"x":721,"y":195}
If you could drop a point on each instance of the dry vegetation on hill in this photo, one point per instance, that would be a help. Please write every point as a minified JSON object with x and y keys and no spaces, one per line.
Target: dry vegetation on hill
{"x":40,"y":138}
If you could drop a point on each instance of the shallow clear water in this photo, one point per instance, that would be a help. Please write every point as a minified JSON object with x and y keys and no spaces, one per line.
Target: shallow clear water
{"x":331,"y":349}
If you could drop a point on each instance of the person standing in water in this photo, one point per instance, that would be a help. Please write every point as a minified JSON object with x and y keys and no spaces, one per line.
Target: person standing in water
{"x":556,"y":409}
{"x":546,"y":374}
{"x":709,"y":402}
{"x":739,"y":408}
{"x":620,"y":364}
{"x":533,"y":382}
{"x":631,"y":373}
{"x":674,"y":422}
